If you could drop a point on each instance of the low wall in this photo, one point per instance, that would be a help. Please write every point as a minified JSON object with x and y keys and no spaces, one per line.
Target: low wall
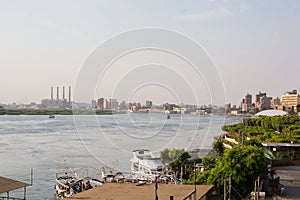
{"x":286,"y":163}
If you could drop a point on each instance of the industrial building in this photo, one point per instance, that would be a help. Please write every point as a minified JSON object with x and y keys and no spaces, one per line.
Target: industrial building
{"x":59,"y":101}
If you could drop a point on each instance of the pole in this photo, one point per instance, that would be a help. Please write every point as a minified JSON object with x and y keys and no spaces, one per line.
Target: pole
{"x":31,"y":176}
{"x":225,"y":190}
{"x":195,"y":194}
{"x":243,"y":132}
{"x":229,"y":190}
{"x":156,"y":186}
{"x":258,"y":187}
{"x":255,"y":190}
{"x":24,"y":193}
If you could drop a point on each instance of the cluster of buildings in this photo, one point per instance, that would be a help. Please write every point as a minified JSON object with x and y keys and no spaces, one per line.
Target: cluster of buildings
{"x":113,"y":104}
{"x":288,"y":102}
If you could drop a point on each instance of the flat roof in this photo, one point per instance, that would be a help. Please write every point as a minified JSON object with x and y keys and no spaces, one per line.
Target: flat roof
{"x":280,"y":144}
{"x":7,"y":184}
{"x":129,"y":191}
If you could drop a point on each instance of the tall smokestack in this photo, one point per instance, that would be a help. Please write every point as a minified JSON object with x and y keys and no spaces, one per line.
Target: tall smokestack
{"x":69,"y":94}
{"x":64,"y":93}
{"x":51,"y":93}
{"x":57,"y":90}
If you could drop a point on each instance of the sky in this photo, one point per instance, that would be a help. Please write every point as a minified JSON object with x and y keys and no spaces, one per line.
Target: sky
{"x":253,"y":45}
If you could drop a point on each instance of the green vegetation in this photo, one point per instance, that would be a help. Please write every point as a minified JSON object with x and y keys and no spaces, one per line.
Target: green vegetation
{"x":175,"y":159}
{"x":268,"y":129}
{"x":56,"y":112}
{"x":243,"y":163}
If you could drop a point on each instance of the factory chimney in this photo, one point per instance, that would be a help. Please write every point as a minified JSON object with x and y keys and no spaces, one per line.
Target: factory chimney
{"x":69,"y":94}
{"x":51,"y":93}
{"x":57,"y":90}
{"x":63,"y":93}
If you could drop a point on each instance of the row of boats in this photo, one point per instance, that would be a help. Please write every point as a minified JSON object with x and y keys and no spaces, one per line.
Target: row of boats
{"x":145,"y":167}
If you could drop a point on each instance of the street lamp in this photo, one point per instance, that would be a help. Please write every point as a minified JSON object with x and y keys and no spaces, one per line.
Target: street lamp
{"x":243,"y":128}
{"x":195,"y":180}
{"x":243,"y":132}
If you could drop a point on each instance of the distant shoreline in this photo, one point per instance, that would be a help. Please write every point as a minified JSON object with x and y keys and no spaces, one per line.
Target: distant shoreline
{"x":86,"y":112}
{"x":57,"y":112}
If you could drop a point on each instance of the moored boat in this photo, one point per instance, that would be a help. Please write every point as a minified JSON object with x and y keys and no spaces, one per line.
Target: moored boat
{"x":145,"y":166}
{"x":70,"y":183}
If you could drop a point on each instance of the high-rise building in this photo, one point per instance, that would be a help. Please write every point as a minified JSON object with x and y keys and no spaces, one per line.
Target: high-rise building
{"x":227,"y":107}
{"x":265,"y":103}
{"x":262,"y":102}
{"x":290,"y":100}
{"x":276,"y":104}
{"x":248,"y":99}
{"x":148,"y":104}
{"x":100,"y":104}
{"x":123,"y":105}
{"x":113,"y":104}
{"x":247,"y":103}
{"x":258,"y":98}
{"x":106,"y":105}
{"x":94,"y":104}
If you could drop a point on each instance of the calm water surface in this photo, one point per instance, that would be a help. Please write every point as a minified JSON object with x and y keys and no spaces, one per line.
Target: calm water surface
{"x":47,"y":145}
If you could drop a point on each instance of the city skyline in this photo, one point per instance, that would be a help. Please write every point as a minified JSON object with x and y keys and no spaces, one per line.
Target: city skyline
{"x":63,"y":94}
{"x":252,"y":43}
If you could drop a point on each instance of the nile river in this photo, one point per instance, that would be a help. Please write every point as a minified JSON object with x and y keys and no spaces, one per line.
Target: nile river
{"x":47,"y":145}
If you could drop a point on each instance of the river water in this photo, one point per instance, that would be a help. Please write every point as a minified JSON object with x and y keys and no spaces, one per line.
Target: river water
{"x":48,"y":145}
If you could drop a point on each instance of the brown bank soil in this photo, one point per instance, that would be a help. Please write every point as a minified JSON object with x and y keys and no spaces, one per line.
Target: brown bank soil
{"x":130,"y":191}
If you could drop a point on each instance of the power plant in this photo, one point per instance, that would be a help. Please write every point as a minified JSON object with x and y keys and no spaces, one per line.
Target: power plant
{"x":58,"y":102}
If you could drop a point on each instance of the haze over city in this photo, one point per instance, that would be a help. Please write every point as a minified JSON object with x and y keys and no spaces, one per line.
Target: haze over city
{"x":254,"y":45}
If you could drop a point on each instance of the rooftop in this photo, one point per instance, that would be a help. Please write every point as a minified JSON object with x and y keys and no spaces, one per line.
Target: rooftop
{"x":129,"y":191}
{"x":271,"y":113}
{"x":7,"y":185}
{"x":281,"y":144}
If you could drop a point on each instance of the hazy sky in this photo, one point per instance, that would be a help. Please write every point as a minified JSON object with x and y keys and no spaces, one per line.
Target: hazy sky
{"x":254,"y":44}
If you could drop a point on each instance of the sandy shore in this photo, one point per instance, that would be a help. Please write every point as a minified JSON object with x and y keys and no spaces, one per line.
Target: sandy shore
{"x":130,"y":191}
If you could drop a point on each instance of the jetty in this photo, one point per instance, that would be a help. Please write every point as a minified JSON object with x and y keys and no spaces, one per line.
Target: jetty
{"x":129,"y":191}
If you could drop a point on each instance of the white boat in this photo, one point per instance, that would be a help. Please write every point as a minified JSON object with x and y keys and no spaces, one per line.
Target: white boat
{"x":145,"y":166}
{"x":110,"y":177}
{"x":119,"y":177}
{"x":69,"y":184}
